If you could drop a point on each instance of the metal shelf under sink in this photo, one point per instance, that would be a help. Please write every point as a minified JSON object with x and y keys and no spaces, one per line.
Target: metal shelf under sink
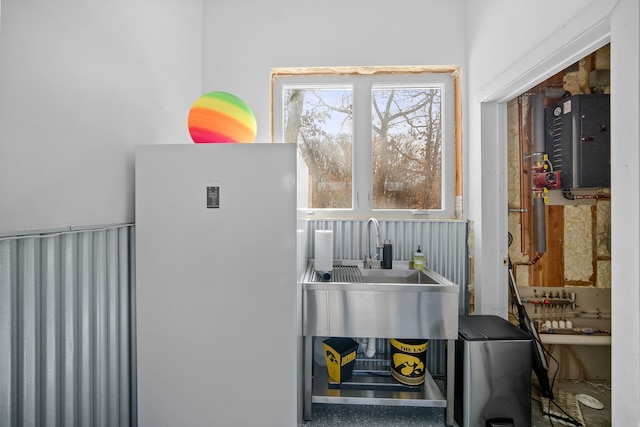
{"x":374,"y":387}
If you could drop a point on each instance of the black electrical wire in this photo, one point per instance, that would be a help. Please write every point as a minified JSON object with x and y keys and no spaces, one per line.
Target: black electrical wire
{"x":520,"y":307}
{"x":568,"y":417}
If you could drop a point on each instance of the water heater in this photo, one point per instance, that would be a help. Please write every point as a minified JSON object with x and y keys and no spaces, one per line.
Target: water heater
{"x":578,"y":142}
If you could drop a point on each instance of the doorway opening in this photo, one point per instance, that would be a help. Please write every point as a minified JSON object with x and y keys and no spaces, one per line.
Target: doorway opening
{"x":559,"y":216}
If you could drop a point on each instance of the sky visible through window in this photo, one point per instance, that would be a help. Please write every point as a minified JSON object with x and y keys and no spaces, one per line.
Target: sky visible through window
{"x":373,"y":141}
{"x":406,"y":144}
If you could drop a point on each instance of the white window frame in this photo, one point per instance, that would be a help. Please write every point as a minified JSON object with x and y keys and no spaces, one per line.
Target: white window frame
{"x":363,"y":79}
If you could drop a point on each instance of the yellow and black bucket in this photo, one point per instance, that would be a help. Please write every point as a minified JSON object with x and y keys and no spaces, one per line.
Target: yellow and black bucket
{"x":408,"y":360}
{"x":341,"y":357}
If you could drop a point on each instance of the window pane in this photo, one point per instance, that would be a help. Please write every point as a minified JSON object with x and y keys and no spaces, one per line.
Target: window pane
{"x":320,"y":122}
{"x":407,"y":148}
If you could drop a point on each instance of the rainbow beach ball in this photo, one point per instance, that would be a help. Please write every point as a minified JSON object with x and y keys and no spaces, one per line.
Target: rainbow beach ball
{"x":221,"y":117}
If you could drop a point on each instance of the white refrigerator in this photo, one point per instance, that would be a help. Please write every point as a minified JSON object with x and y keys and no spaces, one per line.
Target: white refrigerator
{"x":216,"y":297}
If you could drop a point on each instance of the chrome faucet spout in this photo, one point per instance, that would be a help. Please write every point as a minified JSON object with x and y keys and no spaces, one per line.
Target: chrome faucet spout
{"x":367,"y":258}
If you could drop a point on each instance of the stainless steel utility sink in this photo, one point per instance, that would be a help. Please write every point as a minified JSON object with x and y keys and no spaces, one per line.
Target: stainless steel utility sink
{"x":397,"y":276}
{"x":395,"y":303}
{"x":376,"y":303}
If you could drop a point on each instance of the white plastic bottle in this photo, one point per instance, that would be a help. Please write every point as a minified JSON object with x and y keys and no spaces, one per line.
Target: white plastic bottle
{"x":418,"y":259}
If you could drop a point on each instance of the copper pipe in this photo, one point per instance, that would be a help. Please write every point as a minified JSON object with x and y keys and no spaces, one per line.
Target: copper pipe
{"x":533,"y":262}
{"x":525,"y":190}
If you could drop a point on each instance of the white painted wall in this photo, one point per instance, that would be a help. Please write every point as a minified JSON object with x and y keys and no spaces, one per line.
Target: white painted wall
{"x":512,"y":47}
{"x":498,"y":71}
{"x":244,"y":39}
{"x":81,"y":84}
{"x":625,"y":213}
{"x":502,"y":32}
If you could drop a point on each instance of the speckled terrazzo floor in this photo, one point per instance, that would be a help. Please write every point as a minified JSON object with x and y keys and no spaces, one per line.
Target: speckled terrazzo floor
{"x":375,"y":416}
{"x":325,"y":415}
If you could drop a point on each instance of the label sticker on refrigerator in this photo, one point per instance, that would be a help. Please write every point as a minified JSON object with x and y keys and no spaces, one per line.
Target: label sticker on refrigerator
{"x":213,"y":197}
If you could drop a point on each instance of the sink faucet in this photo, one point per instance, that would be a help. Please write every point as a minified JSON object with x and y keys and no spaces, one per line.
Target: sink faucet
{"x":367,"y":258}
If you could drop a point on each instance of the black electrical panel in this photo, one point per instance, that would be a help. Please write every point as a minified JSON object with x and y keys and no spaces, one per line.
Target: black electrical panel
{"x":578,"y":140}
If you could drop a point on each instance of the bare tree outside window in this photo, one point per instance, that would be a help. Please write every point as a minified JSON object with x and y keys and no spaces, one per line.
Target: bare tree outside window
{"x":407,"y":142}
{"x":407,"y":154}
{"x":320,"y":122}
{"x":383,"y":141}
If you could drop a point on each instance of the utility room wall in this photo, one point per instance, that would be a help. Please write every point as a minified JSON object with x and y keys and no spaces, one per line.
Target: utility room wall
{"x":578,"y":232}
{"x":570,"y":282}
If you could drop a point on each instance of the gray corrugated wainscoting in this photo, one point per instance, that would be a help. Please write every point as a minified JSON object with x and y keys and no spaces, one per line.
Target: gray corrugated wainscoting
{"x":444,"y":244}
{"x":445,"y":247}
{"x":67,"y":315}
{"x":67,"y":351}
